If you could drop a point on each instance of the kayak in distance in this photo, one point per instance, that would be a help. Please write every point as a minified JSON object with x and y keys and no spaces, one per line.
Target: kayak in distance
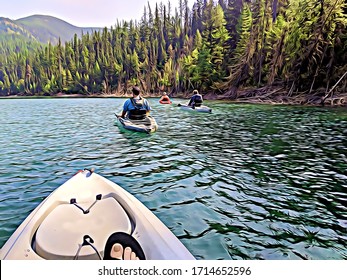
{"x":165,"y":99}
{"x":84,"y":218}
{"x":199,"y":109}
{"x":147,"y":125}
{"x":165,"y":102}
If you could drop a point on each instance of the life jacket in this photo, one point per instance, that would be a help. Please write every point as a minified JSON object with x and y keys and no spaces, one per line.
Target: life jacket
{"x":139,"y":113}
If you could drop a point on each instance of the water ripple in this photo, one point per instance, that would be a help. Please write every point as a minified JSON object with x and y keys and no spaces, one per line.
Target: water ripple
{"x":245,"y":182}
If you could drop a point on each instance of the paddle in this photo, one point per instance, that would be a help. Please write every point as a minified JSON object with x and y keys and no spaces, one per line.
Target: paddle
{"x":180,"y":105}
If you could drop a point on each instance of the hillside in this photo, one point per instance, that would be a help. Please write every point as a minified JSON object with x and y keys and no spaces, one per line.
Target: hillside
{"x":41,"y":28}
{"x":9,"y":29}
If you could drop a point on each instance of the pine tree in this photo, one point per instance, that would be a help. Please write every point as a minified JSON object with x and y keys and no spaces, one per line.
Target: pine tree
{"x":240,"y":69}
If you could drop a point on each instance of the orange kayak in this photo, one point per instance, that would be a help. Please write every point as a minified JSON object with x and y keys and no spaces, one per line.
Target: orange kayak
{"x":165,"y":100}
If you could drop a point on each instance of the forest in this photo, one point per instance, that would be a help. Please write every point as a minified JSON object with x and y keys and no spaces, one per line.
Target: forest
{"x":236,"y":49}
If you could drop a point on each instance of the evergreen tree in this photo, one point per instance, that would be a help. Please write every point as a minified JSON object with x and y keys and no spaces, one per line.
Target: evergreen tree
{"x":218,"y":45}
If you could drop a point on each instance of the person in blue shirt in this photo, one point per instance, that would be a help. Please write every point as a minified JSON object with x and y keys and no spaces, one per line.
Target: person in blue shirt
{"x":136,"y":107}
{"x":196,"y":100}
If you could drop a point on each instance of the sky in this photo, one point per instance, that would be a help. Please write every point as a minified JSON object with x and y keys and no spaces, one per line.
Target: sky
{"x":82,"y":13}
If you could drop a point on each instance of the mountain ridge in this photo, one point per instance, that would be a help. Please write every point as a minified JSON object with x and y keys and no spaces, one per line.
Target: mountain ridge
{"x":42,"y":28}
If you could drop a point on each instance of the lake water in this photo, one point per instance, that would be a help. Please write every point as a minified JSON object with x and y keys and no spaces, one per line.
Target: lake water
{"x":245,"y":182}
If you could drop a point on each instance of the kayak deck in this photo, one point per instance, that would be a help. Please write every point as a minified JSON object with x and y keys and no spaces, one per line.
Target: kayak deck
{"x":61,"y":233}
{"x":89,"y":205}
{"x":147,"y":125}
{"x":200,"y":109}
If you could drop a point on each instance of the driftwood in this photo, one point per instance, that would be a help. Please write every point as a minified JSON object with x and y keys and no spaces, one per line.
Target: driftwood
{"x":336,"y":101}
{"x":331,"y":90}
{"x":279,"y":95}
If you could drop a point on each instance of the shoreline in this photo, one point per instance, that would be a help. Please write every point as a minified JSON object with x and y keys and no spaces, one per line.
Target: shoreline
{"x":260,"y":96}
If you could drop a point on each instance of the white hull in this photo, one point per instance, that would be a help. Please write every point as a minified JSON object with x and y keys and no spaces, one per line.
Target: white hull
{"x":148,"y":125}
{"x":55,"y":229}
{"x":200,"y":109}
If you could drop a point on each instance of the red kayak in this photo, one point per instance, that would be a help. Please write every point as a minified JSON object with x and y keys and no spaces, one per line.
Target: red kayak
{"x":165,"y":100}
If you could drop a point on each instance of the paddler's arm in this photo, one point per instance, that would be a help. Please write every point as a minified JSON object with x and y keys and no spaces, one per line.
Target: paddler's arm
{"x":125,"y":109}
{"x":147,"y":107}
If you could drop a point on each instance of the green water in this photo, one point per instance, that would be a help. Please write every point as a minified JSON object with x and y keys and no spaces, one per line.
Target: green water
{"x":245,"y":182}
